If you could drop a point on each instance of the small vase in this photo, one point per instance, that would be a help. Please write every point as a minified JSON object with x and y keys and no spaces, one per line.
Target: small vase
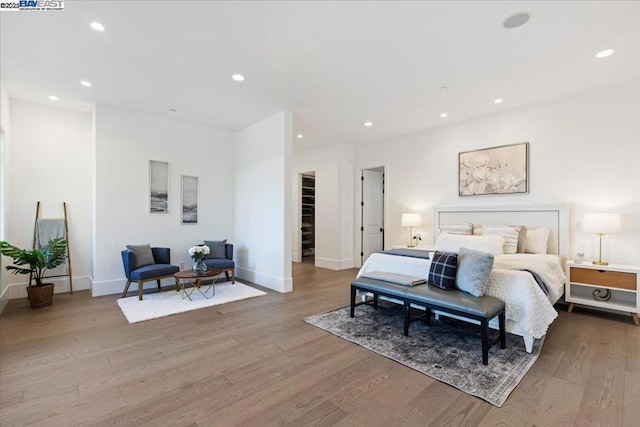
{"x":199,"y":267}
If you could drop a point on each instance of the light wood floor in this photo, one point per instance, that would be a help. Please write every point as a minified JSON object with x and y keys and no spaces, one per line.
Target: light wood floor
{"x":255,"y":362}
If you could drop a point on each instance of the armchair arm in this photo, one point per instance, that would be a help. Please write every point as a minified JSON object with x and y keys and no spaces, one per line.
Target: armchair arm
{"x":127,"y":262}
{"x":228,"y":251}
{"x":161,"y":255}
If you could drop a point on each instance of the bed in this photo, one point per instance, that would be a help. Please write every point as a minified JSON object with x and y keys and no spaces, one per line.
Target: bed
{"x":529,"y":306}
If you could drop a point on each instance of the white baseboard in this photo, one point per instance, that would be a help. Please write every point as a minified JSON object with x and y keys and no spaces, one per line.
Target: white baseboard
{"x":111,"y":287}
{"x":334,"y":264}
{"x":19,"y":290}
{"x":276,"y":283}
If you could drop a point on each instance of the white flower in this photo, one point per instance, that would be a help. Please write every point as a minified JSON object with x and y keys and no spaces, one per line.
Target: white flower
{"x":199,"y":251}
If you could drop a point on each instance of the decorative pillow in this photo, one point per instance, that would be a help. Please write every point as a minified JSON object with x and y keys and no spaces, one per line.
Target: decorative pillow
{"x":522,"y":239}
{"x":443,"y":270}
{"x":452,"y":243}
{"x":217,"y":248}
{"x":508,"y":233}
{"x":142,"y":255}
{"x":537,"y":241}
{"x":465,"y":229}
{"x":473,"y":270}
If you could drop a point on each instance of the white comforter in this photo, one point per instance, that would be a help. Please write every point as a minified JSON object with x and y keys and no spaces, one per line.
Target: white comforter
{"x":526,"y":303}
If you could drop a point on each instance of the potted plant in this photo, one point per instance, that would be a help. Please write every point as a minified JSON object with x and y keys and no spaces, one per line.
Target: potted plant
{"x":36,"y":262}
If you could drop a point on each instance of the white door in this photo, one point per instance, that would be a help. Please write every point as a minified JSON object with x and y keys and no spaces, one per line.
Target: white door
{"x":372,"y":213}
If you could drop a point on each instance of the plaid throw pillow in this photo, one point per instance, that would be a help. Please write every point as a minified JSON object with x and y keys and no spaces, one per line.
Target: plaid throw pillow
{"x":443,"y":270}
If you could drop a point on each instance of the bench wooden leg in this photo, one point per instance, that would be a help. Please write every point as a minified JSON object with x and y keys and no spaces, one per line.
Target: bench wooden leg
{"x":485,"y":341}
{"x":140,"y":289}
{"x":375,"y":301}
{"x":353,"y":301}
{"x":159,"y":286}
{"x":407,"y":313}
{"x":427,"y":316}
{"x":126,"y":288}
{"x":503,"y":332}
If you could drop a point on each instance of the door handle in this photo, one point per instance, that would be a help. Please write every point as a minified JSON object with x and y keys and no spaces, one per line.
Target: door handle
{"x":382,"y":230}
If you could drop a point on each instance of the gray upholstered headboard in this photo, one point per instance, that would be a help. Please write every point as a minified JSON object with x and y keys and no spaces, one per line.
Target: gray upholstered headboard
{"x":556,"y":218}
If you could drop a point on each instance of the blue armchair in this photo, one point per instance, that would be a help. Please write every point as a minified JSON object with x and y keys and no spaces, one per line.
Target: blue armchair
{"x":225,"y":264}
{"x":162,"y":269}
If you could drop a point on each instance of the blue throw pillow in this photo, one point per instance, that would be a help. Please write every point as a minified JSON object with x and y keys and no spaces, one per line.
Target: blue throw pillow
{"x":443,"y":270}
{"x":473,"y":270}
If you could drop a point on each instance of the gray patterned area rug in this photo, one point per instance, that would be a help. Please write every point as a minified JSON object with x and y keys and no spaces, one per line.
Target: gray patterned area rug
{"x":448,"y":350}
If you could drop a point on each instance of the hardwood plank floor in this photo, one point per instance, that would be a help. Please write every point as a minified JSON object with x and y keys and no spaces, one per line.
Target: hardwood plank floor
{"x":255,"y":362}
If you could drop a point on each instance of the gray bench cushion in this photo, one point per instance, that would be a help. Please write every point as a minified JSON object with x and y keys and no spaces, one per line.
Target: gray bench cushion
{"x":485,"y":306}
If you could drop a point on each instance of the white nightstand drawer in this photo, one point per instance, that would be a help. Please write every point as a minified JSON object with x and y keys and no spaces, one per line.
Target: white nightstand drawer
{"x":610,"y":279}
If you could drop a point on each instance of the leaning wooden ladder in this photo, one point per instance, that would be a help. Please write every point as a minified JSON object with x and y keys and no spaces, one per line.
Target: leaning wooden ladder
{"x":66,"y":232}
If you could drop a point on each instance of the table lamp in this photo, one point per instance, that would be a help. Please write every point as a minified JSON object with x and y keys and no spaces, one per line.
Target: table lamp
{"x":601,"y":224}
{"x":410,"y":220}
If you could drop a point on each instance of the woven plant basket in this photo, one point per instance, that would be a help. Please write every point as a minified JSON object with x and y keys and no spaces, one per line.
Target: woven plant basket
{"x":40,"y":296}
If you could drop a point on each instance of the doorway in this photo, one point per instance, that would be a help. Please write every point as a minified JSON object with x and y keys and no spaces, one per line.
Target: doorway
{"x":307,"y":235}
{"x":371,"y":211}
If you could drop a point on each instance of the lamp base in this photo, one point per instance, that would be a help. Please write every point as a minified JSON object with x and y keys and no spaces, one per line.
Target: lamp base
{"x":600,"y":262}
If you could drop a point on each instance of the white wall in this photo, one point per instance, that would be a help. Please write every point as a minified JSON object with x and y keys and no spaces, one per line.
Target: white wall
{"x":263,"y":157}
{"x":333,"y":164}
{"x":4,"y":175}
{"x":50,"y":155}
{"x":584,"y":151}
{"x":125,"y":141}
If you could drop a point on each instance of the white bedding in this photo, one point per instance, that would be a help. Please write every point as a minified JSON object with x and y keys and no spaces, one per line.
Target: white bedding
{"x":526,"y":303}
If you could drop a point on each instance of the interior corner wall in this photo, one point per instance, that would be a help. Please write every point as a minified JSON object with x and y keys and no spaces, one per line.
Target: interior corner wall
{"x":333,"y":164}
{"x":50,"y":154}
{"x":125,"y":142}
{"x":584,"y":151}
{"x":263,"y":164}
{"x":4,"y":176}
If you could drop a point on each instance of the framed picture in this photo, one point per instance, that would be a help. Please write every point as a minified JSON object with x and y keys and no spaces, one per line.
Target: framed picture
{"x":158,"y":187}
{"x":189,"y":199}
{"x":495,"y":170}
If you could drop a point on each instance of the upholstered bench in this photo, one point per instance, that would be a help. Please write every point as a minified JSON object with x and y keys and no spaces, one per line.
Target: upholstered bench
{"x":461,"y":304}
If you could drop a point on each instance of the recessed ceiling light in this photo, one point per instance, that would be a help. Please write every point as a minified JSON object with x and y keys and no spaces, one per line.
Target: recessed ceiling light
{"x":443,"y":88}
{"x":300,"y":136}
{"x":85,"y":83}
{"x":443,"y":115}
{"x":605,"y":53}
{"x":53,"y":97}
{"x":516,"y":20}
{"x":368,"y":124}
{"x":97,"y":26}
{"x":238,"y":77}
{"x":498,"y":101}
{"x":173,"y":110}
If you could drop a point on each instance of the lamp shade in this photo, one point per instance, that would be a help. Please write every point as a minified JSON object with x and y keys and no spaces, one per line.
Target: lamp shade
{"x":605,"y":223}
{"x":410,"y":220}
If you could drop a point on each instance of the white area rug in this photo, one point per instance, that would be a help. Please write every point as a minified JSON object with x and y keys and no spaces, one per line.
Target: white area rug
{"x":166,"y":303}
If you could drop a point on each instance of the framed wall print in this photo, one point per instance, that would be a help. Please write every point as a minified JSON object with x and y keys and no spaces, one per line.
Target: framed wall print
{"x":495,"y":170}
{"x":189,"y":199}
{"x":158,"y":187}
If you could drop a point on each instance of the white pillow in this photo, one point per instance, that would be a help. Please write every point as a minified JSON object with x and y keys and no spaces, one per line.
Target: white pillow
{"x":456,"y":228}
{"x":509,"y":233}
{"x":453,"y":242}
{"x":537,"y":241}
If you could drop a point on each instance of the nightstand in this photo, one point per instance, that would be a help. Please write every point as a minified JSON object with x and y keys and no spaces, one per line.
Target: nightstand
{"x":614,"y":287}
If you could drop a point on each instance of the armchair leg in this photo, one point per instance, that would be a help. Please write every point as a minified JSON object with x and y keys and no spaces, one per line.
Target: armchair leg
{"x":226,"y":273}
{"x":233,"y":276}
{"x":126,"y":288}
{"x":140,"y":286}
{"x":159,"y":287}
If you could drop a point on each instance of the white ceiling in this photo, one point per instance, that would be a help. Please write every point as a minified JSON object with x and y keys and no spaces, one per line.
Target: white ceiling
{"x":334,"y":64}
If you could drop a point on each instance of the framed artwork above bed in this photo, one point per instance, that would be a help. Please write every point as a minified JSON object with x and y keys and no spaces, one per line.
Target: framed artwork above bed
{"x":495,"y":170}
